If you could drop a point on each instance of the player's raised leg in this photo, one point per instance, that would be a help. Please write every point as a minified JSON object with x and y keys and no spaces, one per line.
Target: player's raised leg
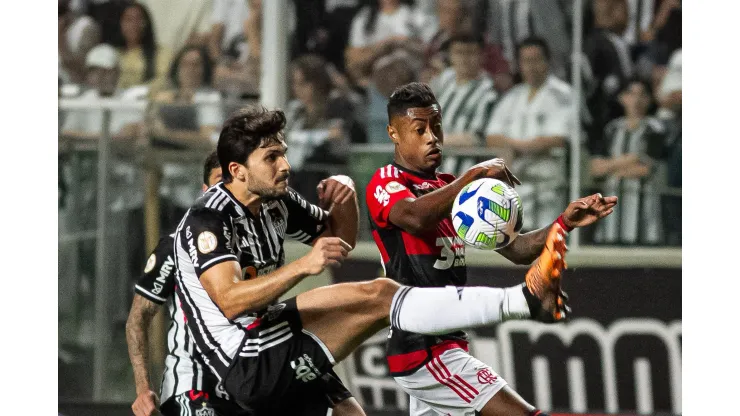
{"x":342,"y":316}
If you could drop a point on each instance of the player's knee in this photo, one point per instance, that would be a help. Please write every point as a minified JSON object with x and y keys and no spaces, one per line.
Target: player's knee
{"x":380,"y":291}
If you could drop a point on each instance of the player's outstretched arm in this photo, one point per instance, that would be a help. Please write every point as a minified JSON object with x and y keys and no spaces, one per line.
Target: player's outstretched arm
{"x":422,"y":214}
{"x":137,"y":337}
{"x":579,"y":213}
{"x":235,"y":296}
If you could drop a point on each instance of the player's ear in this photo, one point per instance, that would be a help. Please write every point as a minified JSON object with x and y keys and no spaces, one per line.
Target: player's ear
{"x":393,"y":134}
{"x":237,"y":171}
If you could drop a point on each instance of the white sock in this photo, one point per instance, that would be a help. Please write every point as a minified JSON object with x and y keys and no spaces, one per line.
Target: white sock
{"x":439,"y":310}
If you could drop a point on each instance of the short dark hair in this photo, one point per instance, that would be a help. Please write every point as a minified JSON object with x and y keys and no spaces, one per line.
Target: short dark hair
{"x":637,"y":80}
{"x":206,"y":63}
{"x":246,"y":130}
{"x":314,"y":71}
{"x":209,"y":164}
{"x":468,"y":38}
{"x":413,"y":94}
{"x":534,"y":41}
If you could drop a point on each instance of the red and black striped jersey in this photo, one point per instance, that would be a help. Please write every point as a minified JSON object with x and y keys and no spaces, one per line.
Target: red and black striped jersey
{"x":434,"y":259}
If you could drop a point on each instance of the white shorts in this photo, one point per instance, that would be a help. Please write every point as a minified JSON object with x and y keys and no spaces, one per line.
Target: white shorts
{"x":453,"y":383}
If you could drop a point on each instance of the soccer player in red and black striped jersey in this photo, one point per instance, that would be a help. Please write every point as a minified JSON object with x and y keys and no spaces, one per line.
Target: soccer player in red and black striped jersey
{"x":409,"y":205}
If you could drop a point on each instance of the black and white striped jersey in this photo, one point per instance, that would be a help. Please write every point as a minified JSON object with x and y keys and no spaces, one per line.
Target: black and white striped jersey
{"x":218,"y":228}
{"x":182,"y":372}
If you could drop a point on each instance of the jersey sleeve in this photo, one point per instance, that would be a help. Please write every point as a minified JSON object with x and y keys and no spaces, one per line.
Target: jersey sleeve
{"x":306,"y":221}
{"x":385,"y":189}
{"x":158,"y":280}
{"x":206,"y":236}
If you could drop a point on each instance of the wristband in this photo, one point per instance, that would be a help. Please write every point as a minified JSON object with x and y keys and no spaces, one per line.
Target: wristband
{"x":344,"y":180}
{"x":561,"y":222}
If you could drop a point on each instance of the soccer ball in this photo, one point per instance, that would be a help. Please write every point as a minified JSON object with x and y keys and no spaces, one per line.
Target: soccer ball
{"x":487,"y":214}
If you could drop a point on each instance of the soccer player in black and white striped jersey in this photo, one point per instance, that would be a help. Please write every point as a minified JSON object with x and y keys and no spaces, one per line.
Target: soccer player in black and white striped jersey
{"x":185,"y":384}
{"x":231,"y":272}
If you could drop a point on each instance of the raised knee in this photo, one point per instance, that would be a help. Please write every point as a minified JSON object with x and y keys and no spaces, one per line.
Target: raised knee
{"x":380,"y":290}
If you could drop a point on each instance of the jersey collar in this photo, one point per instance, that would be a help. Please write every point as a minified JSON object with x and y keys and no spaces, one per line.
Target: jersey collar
{"x":415,"y":173}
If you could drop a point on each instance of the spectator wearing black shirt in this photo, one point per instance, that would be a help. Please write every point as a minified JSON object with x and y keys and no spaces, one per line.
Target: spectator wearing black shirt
{"x":609,"y":62}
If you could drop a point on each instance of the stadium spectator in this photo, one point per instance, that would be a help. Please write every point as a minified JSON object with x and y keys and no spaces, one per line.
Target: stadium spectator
{"x":190,"y":112}
{"x":237,"y":71}
{"x":77,"y":35}
{"x":670,"y":98}
{"x":631,"y":163}
{"x":228,"y":18}
{"x":389,"y":73}
{"x":320,"y":125}
{"x":332,"y":35}
{"x":142,"y":60}
{"x":609,"y":63}
{"x":532,"y":125}
{"x":101,"y":79}
{"x":379,"y":29}
{"x":511,"y":21}
{"x":466,"y":93}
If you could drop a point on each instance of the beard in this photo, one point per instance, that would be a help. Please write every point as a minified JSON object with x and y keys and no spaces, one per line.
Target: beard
{"x":268,"y":192}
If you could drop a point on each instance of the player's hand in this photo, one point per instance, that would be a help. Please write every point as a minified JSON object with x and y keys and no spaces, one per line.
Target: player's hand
{"x":588,"y":210}
{"x":327,"y":251}
{"x":496,"y":169}
{"x":338,"y":189}
{"x":146,"y":403}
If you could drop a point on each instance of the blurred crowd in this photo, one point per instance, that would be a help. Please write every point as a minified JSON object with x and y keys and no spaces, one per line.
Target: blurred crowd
{"x":501,"y":70}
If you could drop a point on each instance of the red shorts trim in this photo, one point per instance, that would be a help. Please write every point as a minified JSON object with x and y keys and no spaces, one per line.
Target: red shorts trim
{"x":406,"y":362}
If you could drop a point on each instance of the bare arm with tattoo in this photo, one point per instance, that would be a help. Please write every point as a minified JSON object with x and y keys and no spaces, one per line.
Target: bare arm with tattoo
{"x":137,"y":337}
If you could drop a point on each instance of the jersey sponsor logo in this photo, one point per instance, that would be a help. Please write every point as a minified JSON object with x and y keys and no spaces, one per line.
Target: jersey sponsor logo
{"x":393,"y":187}
{"x":191,"y":248}
{"x":304,"y":368}
{"x":485,"y":376}
{"x":205,"y":410}
{"x":423,"y":186}
{"x":221,"y":391}
{"x":207,"y":242}
{"x":452,"y":253}
{"x":273,"y":311}
{"x":227,"y":236}
{"x":382,"y":196}
{"x":150,"y":263}
{"x":164,"y":271}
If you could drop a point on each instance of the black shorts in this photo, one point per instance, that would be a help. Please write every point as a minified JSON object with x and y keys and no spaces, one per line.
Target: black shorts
{"x":281,"y":366}
{"x":200,"y":403}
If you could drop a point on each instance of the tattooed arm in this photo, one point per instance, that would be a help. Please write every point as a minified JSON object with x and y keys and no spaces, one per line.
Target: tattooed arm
{"x":137,"y":337}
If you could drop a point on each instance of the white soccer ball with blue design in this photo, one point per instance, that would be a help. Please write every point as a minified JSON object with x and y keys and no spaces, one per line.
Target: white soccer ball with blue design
{"x":487,"y":214}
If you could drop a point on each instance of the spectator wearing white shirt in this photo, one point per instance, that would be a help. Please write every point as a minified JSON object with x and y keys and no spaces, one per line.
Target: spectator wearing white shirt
{"x":101,"y":79}
{"x":190,"y":113}
{"x":466,"y":93}
{"x":532,"y":124}
{"x":379,"y":29}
